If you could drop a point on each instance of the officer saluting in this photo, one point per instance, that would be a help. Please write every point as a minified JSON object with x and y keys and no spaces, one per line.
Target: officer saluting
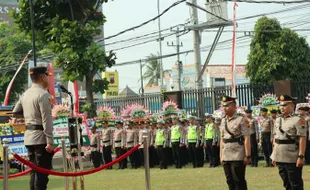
{"x":35,"y":104}
{"x":289,"y":144}
{"x":235,"y":148}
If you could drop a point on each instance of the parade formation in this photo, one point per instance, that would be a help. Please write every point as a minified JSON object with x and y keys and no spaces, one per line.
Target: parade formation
{"x":232,"y":136}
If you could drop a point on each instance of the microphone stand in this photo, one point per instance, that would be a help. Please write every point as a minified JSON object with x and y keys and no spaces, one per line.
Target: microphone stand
{"x":79,"y":154}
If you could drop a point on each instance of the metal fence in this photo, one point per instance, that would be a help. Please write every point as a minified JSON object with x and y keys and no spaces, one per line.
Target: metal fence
{"x":193,"y":101}
{"x":300,"y":90}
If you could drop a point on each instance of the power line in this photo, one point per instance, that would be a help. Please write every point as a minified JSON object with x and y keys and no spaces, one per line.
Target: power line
{"x":274,"y":2}
{"x":144,"y":23}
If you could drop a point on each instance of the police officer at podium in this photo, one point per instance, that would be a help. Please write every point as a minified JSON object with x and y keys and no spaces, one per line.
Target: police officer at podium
{"x":235,"y":148}
{"x":35,"y":105}
{"x":289,"y":144}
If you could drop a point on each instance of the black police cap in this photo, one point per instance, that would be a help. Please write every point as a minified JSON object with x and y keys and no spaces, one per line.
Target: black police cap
{"x":39,"y":70}
{"x":264,"y":110}
{"x":273,"y":111}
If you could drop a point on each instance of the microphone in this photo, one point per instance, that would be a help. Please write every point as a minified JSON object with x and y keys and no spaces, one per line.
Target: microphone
{"x":63,"y":89}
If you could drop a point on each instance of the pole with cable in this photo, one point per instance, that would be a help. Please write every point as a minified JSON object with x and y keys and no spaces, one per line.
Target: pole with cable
{"x":33,"y":33}
{"x":5,"y":164}
{"x":160,"y":48}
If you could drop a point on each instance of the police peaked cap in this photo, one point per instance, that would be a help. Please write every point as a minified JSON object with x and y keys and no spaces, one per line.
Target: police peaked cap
{"x":286,"y":99}
{"x":226,"y":100}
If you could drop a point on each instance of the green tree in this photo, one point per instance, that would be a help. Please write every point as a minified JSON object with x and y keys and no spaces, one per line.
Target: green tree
{"x":152,"y":73}
{"x":277,"y":53}
{"x":14,"y":45}
{"x":68,"y":28}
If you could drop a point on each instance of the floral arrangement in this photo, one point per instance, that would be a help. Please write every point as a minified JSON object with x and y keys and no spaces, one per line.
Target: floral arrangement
{"x":135,"y":111}
{"x":268,"y":99}
{"x":60,"y":111}
{"x":105,"y":113}
{"x":169,"y":109}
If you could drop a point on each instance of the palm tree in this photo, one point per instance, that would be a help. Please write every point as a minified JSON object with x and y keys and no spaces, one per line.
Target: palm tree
{"x":152,"y":73}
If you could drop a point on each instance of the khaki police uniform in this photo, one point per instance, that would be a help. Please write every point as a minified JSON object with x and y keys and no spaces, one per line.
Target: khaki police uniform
{"x":131,"y":140}
{"x":254,"y":139}
{"x":287,"y":131}
{"x":95,"y":153}
{"x":107,"y":142}
{"x":119,"y":144}
{"x":266,"y":126}
{"x":233,"y":130}
{"x":153,"y":153}
{"x":35,"y":104}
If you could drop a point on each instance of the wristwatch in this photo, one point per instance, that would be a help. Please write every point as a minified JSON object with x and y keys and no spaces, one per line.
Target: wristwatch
{"x":248,"y":157}
{"x":301,"y":156}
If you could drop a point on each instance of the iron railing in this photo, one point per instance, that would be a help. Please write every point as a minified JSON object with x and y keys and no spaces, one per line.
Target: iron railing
{"x":207,"y":99}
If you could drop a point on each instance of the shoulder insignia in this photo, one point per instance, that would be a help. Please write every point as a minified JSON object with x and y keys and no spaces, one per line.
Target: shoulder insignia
{"x":303,"y":123}
{"x":50,"y":99}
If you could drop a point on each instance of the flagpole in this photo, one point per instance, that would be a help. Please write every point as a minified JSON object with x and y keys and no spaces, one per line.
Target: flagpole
{"x":233,"y":83}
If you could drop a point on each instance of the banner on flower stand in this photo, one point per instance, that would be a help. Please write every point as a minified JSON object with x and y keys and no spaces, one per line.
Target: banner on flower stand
{"x":60,"y":129}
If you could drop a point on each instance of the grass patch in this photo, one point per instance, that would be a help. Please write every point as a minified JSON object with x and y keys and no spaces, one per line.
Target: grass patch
{"x":170,"y":179}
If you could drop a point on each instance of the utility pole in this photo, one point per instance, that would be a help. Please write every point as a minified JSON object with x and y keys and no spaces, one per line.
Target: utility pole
{"x":160,"y":48}
{"x":33,"y":34}
{"x":141,"y":79}
{"x":179,"y":63}
{"x":196,"y":39}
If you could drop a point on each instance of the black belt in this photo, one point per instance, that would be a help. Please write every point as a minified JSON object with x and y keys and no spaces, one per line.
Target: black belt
{"x":278,"y":141}
{"x":34,"y":127}
{"x":117,"y":141}
{"x":130,"y":142}
{"x":105,"y":141}
{"x":239,"y":140}
{"x":266,"y":133}
{"x":93,"y":146}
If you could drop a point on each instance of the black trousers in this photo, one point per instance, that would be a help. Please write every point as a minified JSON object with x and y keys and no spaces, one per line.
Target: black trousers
{"x":291,"y":176}
{"x":169,"y":155}
{"x":184,"y":155}
{"x":176,"y":154}
{"x":254,"y":151}
{"x":37,"y":154}
{"x":192,"y":151}
{"x":235,"y":175}
{"x":209,"y":152}
{"x":267,"y":147}
{"x":133,"y":159}
{"x":162,"y":155}
{"x":107,"y":154}
{"x":216,"y":154}
{"x":307,"y":153}
{"x":141,"y":156}
{"x":153,"y":157}
{"x":119,"y":152}
{"x":96,"y":157}
{"x":200,"y":155}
